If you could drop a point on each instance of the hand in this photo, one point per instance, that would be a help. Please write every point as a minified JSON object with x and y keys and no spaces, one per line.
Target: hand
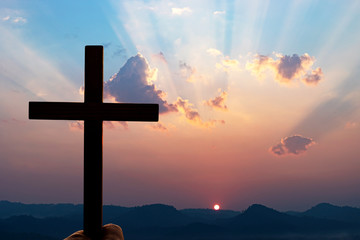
{"x":110,"y":232}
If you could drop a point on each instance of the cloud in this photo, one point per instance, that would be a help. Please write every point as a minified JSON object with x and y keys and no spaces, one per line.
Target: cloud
{"x":133,"y":83}
{"x":119,"y":52}
{"x":314,"y":77}
{"x":219,"y":12}
{"x":110,"y":125}
{"x":158,"y":126}
{"x":218,"y":102}
{"x":351,"y":125}
{"x":187,"y":108}
{"x":228,"y":64}
{"x":187,"y":71}
{"x":12,"y":16}
{"x":12,"y":120}
{"x":19,"y":20}
{"x":107,"y":44}
{"x":77,"y":125}
{"x":180,"y":11}
{"x":292,"y":145}
{"x":160,"y":56}
{"x":286,"y":68}
{"x":192,"y":115}
{"x":214,"y":52}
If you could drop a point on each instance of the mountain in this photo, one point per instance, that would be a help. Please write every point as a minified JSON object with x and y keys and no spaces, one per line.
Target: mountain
{"x":161,"y":222}
{"x":53,"y":226}
{"x":205,"y":215}
{"x":25,"y":236}
{"x":260,"y":219}
{"x":71,"y":211}
{"x":155,"y":215}
{"x":8,"y":209}
{"x":329,"y":211}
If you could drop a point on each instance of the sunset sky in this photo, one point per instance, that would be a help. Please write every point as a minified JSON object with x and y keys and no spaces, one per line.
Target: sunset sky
{"x":259,"y":101}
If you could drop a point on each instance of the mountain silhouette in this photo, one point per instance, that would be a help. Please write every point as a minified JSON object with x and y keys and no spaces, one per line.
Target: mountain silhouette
{"x":205,"y":215}
{"x":260,"y":219}
{"x":159,"y":221}
{"x":52,"y":226}
{"x":8,"y":209}
{"x":329,"y":211}
{"x":156,"y":215}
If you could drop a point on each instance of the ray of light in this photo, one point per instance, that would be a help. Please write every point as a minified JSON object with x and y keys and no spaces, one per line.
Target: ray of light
{"x":28,"y":68}
{"x":350,"y":14}
{"x":228,"y":35}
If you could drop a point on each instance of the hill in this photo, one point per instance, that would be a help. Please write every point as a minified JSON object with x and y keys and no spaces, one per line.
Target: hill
{"x":159,"y":221}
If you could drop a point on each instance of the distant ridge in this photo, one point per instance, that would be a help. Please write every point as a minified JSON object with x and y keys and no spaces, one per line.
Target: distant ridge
{"x":209,"y":214}
{"x":8,"y":209}
{"x":329,"y":211}
{"x":159,"y":221}
{"x":155,"y":215}
{"x":261,"y":219}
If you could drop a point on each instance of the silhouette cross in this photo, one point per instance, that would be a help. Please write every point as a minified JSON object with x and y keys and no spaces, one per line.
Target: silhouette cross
{"x":93,"y":111}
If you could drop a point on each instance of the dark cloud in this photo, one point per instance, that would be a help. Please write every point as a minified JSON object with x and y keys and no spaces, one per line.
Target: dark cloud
{"x":133,"y":83}
{"x":218,"y":102}
{"x":314,"y":77}
{"x":287,"y":68}
{"x":292,"y":145}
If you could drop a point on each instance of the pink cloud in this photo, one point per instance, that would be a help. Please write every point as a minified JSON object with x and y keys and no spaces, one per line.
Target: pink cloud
{"x":79,"y":125}
{"x":158,"y":126}
{"x":160,"y":57}
{"x":218,"y":102}
{"x":76,"y":126}
{"x":192,"y":115}
{"x":187,"y":108}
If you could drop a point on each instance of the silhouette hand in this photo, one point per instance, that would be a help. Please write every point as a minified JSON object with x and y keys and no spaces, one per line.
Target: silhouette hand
{"x":110,"y":232}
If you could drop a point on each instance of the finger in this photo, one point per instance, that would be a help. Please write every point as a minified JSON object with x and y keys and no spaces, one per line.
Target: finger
{"x":112,"y":232}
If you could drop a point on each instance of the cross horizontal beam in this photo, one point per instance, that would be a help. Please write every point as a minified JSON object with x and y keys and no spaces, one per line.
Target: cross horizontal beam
{"x":94,"y":111}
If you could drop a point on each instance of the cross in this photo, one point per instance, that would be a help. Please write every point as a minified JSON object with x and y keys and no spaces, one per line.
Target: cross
{"x":93,"y":111}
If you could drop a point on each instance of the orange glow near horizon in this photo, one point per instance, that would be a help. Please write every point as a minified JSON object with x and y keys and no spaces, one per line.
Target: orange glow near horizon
{"x":216,"y":207}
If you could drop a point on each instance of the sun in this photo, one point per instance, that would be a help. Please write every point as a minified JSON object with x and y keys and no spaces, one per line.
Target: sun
{"x":216,"y":207}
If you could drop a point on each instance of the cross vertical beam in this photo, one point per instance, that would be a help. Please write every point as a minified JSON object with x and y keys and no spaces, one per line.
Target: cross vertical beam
{"x":93,"y":144}
{"x":93,"y":111}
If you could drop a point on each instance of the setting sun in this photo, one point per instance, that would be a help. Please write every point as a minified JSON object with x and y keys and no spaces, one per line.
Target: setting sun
{"x":216,"y":207}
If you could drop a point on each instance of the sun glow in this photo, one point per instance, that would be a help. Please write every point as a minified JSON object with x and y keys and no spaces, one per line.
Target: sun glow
{"x":216,"y":207}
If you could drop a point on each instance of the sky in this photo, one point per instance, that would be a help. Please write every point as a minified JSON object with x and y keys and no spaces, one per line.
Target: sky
{"x":259,"y":101}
